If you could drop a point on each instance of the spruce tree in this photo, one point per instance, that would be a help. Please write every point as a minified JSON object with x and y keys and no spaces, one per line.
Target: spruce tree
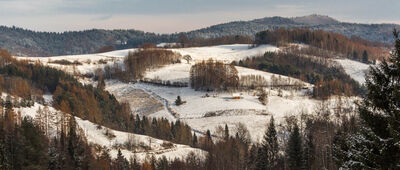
{"x":376,"y":146}
{"x":226,"y":132}
{"x":73,"y":143}
{"x":261,"y":162}
{"x":194,"y":143}
{"x":365,"y":57}
{"x":268,"y":152}
{"x":178,"y":101}
{"x":294,"y":150}
{"x":121,"y":162}
{"x":271,"y":143}
{"x":309,"y":150}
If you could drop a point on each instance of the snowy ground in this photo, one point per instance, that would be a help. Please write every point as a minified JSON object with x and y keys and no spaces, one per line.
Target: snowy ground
{"x":226,"y":53}
{"x":206,"y":113}
{"x":201,"y":112}
{"x":91,"y":62}
{"x":355,"y":69}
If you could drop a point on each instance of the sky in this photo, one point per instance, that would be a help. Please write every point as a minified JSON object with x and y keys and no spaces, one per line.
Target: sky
{"x":169,"y":16}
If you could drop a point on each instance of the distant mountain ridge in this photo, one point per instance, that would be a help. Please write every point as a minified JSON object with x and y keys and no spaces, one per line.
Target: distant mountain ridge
{"x":315,"y":19}
{"x":371,"y":32}
{"x":24,"y":42}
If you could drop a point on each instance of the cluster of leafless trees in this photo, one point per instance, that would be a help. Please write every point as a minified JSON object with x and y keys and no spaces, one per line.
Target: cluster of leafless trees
{"x":256,"y":81}
{"x":147,"y":58}
{"x":213,"y":75}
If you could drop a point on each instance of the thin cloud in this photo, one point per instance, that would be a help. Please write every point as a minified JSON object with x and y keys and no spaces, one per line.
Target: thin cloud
{"x":156,"y":15}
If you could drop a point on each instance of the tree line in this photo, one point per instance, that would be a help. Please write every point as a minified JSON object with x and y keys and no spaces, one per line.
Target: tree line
{"x":184,"y":41}
{"x":353,"y":48}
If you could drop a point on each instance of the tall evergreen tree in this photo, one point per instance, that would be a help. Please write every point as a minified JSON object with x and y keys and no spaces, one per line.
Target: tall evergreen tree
{"x":194,"y":143}
{"x":226,"y":132}
{"x":309,"y":150}
{"x":271,"y":141}
{"x":268,"y":152}
{"x":294,"y":150}
{"x":365,"y":58}
{"x":121,"y":162}
{"x":376,"y":146}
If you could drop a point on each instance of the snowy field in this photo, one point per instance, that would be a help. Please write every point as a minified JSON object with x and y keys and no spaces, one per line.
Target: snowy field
{"x":206,"y":113}
{"x":91,"y":62}
{"x":355,"y":69}
{"x":225,"y":53}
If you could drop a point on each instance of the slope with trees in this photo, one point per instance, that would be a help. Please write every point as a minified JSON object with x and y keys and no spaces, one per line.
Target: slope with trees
{"x":375,"y":145}
{"x":329,"y":79}
{"x":353,"y":48}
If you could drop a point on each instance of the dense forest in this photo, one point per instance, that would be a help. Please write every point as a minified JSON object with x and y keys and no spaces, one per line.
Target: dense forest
{"x":213,"y":75}
{"x":26,"y":42}
{"x":353,"y":48}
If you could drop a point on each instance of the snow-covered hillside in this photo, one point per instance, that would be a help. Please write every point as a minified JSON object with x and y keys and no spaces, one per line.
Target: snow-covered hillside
{"x":206,"y":113}
{"x":225,"y":53}
{"x":90,"y":62}
{"x":96,"y":135}
{"x":355,"y":69}
{"x":206,"y":110}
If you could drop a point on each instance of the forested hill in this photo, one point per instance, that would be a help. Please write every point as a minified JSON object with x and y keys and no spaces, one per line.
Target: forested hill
{"x":26,"y":42}
{"x":371,"y":32}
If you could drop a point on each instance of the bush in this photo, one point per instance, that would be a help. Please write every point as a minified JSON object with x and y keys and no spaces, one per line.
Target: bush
{"x":131,"y":142}
{"x":263,"y":97}
{"x":167,"y":145}
{"x":178,"y":101}
{"x":66,"y":62}
{"x":109,"y":133}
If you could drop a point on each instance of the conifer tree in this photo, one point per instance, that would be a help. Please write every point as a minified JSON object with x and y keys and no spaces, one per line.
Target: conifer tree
{"x":365,"y":57}
{"x":72,"y":145}
{"x":194,"y":143}
{"x":376,"y":146}
{"x":268,"y":152}
{"x":178,"y":101}
{"x":294,"y":150}
{"x":226,"y":132}
{"x":121,"y":162}
{"x":208,"y":134}
{"x":271,"y":141}
{"x":309,"y":150}
{"x":261,"y":162}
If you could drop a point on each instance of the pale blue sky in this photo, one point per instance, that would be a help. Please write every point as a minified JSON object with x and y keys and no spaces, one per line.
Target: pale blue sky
{"x":166,"y":16}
